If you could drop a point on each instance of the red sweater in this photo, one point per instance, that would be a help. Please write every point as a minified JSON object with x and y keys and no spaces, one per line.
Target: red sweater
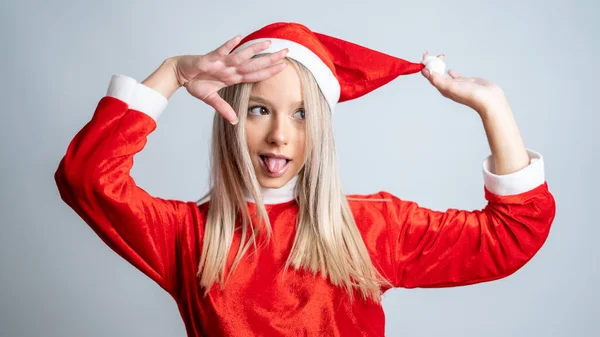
{"x":410,"y":245}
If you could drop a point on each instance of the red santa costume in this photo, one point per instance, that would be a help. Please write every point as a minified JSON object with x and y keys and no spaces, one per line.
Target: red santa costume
{"x":410,"y":245}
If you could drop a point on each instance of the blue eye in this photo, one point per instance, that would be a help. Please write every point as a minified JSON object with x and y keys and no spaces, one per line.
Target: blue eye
{"x":258,"y":110}
{"x":302,"y":113}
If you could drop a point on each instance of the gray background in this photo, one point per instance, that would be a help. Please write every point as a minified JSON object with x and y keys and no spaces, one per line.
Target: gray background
{"x":59,"y":279}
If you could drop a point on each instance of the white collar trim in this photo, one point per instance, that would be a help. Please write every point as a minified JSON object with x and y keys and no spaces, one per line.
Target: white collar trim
{"x":275,"y":195}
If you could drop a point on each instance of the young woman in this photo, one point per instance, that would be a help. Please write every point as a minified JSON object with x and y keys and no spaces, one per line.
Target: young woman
{"x":277,"y":248}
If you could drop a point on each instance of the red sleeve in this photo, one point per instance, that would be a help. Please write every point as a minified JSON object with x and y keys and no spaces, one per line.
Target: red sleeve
{"x":93,"y":178}
{"x":458,"y":247}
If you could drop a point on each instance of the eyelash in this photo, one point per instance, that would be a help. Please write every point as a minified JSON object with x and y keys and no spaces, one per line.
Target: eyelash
{"x":263,"y":107}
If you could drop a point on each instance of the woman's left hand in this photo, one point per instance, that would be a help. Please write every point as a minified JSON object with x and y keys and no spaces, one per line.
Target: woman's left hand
{"x":477,"y":93}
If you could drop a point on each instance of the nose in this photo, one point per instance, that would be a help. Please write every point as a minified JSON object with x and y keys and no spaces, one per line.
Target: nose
{"x":279,"y":131}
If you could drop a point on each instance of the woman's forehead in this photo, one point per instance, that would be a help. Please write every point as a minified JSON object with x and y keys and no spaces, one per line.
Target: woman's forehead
{"x":284,"y":86}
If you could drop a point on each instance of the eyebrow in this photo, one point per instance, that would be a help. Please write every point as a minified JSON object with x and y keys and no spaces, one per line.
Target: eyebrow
{"x":265,"y":101}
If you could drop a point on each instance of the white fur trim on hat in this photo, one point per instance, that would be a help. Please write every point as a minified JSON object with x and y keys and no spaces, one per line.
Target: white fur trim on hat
{"x":328,"y":83}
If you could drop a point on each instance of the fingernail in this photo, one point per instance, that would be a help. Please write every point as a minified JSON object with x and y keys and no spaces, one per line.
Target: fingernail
{"x":235,"y":122}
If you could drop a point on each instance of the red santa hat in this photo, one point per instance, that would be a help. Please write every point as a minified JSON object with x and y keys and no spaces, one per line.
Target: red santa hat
{"x":343,"y":70}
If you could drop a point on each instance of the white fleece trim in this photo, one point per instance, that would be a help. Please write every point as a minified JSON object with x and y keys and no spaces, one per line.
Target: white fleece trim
{"x":275,"y":195}
{"x":137,"y":96}
{"x":270,"y":195}
{"x":517,"y":182}
{"x":121,"y":87}
{"x":328,"y":83}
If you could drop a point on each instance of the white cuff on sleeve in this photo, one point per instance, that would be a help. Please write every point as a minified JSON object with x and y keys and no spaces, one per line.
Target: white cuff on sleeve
{"x":137,"y":96}
{"x":521,"y":181}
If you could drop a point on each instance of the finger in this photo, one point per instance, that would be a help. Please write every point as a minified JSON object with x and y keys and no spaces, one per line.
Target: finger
{"x":425,"y":55}
{"x":262,"y":62}
{"x":425,"y":73}
{"x":222,"y":107}
{"x":225,"y":48}
{"x":242,"y":55}
{"x":438,"y":81}
{"x":454,"y":74}
{"x":263,"y":74}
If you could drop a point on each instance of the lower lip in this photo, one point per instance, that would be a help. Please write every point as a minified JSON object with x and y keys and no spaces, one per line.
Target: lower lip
{"x":274,"y":174}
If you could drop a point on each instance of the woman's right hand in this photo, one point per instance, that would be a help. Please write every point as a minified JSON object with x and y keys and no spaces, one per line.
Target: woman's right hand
{"x":204,"y":75}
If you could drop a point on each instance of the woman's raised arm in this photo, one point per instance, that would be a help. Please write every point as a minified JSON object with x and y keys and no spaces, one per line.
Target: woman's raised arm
{"x":94,"y":179}
{"x":458,"y":247}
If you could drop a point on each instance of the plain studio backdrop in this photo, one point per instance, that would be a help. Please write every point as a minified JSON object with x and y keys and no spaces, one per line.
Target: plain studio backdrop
{"x":59,"y":279}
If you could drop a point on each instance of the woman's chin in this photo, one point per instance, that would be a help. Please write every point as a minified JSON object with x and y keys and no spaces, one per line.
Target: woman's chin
{"x":271,"y":182}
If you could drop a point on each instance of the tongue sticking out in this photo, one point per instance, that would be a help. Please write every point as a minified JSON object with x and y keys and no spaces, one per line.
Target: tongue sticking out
{"x":275,"y":164}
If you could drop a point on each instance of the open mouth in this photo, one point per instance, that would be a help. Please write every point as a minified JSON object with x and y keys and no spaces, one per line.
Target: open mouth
{"x":274,"y":167}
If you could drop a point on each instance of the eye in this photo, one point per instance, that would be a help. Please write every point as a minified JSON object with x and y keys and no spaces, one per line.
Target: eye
{"x":258,"y":110}
{"x":302,"y":113}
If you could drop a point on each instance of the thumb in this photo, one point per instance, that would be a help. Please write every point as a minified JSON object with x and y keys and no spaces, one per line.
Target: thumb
{"x":222,"y":107}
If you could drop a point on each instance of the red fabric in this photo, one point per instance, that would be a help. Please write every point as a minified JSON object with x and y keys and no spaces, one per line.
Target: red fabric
{"x":411,"y":245}
{"x":359,"y":70}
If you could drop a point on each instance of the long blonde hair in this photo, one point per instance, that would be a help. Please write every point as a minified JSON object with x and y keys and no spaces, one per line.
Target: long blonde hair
{"x":327,"y":239}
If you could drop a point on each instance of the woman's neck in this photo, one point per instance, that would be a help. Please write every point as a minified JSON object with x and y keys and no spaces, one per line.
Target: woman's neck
{"x":276,"y":195}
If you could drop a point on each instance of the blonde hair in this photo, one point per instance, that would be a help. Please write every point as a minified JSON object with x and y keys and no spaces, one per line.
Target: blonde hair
{"x":327,"y":239}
